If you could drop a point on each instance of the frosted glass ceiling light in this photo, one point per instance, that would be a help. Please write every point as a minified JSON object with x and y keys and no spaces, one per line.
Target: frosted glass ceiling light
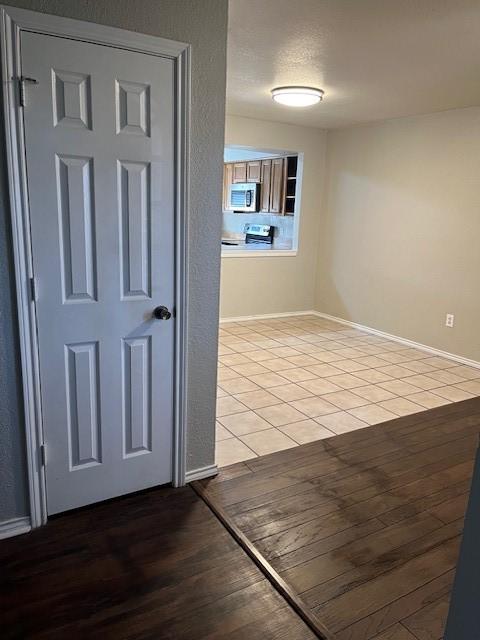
{"x":297,"y":96}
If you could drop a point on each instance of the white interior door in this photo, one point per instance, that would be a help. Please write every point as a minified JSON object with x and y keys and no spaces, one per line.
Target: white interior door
{"x":99,"y":130}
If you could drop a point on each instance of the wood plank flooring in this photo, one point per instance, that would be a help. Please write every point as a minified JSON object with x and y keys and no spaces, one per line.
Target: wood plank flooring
{"x":365,"y":527}
{"x":156,"y":565}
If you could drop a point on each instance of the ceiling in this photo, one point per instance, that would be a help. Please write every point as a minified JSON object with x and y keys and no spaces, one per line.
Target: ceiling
{"x":375,"y":59}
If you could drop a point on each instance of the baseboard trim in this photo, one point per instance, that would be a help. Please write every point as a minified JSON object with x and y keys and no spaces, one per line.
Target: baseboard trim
{"x":14,"y":527}
{"x":267,"y":316}
{"x":405,"y":341}
{"x":355,"y":325}
{"x":201,"y":473}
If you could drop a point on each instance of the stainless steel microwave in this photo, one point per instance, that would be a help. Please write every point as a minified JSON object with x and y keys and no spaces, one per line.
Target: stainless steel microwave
{"x":244,"y":196}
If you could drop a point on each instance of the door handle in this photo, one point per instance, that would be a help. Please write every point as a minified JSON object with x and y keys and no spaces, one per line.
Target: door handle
{"x":162,"y":313}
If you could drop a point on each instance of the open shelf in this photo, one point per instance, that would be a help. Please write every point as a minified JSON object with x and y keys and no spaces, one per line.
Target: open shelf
{"x":291,"y":165}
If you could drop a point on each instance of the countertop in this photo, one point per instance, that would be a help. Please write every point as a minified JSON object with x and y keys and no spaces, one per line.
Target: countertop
{"x":277,"y":247}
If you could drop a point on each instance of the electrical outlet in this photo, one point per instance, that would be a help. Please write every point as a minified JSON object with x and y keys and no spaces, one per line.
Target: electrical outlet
{"x":449,"y":320}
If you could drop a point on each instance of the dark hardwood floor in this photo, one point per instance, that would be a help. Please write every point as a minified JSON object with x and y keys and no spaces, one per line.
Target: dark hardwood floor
{"x":157,"y":565}
{"x":365,"y":527}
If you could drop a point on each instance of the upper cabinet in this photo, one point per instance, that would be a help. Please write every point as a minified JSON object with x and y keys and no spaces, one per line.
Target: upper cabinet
{"x":239,"y":172}
{"x":276,"y":186}
{"x":277,"y":179}
{"x":265,"y":179}
{"x":253,"y":171}
{"x":227,"y":181}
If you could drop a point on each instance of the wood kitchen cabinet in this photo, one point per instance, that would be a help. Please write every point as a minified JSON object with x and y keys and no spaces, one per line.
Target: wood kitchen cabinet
{"x":265,"y":179}
{"x":254,"y":171}
{"x":227,"y":181}
{"x":239,"y":172}
{"x":277,"y":178}
{"x":277,"y":186}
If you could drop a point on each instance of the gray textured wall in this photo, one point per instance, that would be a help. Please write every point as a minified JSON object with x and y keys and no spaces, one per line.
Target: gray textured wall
{"x":203,"y":24}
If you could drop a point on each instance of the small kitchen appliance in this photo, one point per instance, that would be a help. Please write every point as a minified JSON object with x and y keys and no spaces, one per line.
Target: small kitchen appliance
{"x":244,"y":197}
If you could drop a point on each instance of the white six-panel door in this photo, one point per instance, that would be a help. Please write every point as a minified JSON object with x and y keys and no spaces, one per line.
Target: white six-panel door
{"x":99,"y":131}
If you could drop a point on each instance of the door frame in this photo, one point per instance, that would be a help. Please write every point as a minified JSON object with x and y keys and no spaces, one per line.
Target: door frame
{"x":12,"y":22}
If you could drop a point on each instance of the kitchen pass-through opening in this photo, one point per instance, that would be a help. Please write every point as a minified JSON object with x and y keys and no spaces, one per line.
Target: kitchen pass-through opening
{"x":261,"y":201}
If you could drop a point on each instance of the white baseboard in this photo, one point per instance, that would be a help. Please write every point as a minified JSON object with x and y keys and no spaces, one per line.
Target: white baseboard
{"x":361,"y":327}
{"x":200,"y":474}
{"x":405,"y":341}
{"x":267,"y":316}
{"x":14,"y":527}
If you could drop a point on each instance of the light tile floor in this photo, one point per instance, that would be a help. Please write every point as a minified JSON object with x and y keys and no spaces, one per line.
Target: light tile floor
{"x":287,"y":381}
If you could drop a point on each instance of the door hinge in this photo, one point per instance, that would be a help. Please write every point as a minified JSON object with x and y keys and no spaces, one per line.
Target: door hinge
{"x":22,"y":81}
{"x":33,"y":289}
{"x":43,"y":455}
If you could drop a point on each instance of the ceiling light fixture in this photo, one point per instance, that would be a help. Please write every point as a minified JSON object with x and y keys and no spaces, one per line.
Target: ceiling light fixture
{"x":297,"y":96}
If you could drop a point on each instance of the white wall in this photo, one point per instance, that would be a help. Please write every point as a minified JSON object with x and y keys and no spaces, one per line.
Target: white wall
{"x":399,"y":242}
{"x":251,"y":286}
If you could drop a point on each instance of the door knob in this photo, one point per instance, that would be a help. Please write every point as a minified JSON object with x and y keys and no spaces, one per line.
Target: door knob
{"x":162,"y":313}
